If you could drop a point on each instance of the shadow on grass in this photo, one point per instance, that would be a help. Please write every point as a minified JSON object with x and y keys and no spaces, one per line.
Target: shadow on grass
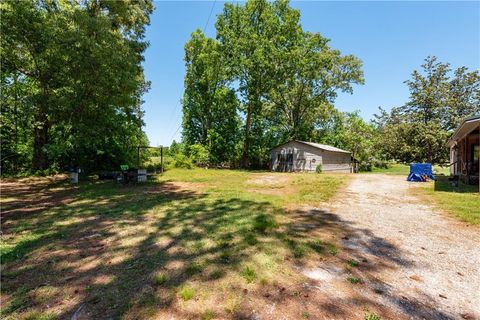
{"x":105,"y":246}
{"x":444,"y":185}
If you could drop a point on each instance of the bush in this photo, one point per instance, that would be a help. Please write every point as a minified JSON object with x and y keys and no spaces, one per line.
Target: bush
{"x":365,"y":166}
{"x":198,"y":154}
{"x":180,"y":160}
{"x":319,"y":168}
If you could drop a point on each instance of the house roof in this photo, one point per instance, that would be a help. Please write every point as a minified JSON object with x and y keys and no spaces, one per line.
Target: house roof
{"x":467,"y":126}
{"x":318,"y":146}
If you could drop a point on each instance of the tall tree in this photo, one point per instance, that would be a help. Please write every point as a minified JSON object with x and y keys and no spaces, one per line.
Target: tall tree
{"x":84,"y":63}
{"x":249,"y":35}
{"x":309,"y":74}
{"x":419,"y":130}
{"x":209,"y":107}
{"x":428,"y":92}
{"x":463,"y":98}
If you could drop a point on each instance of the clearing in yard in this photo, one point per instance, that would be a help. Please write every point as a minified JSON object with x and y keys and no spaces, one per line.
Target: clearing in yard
{"x":221,"y":244}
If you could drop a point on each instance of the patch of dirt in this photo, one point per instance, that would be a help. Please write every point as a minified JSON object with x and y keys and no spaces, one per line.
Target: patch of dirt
{"x":175,"y":189}
{"x":270,"y":179}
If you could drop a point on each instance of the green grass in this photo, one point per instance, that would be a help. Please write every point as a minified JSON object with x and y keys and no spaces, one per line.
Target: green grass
{"x":160,"y":278}
{"x":462,"y":202}
{"x":354,"y":280}
{"x":371,"y":316}
{"x":353,"y":263}
{"x":404,"y":170}
{"x":133,"y":250}
{"x":186,"y":293}
{"x":249,"y":274}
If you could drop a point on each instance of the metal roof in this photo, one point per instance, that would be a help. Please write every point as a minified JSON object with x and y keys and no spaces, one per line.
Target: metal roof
{"x":318,"y":146}
{"x":467,"y":126}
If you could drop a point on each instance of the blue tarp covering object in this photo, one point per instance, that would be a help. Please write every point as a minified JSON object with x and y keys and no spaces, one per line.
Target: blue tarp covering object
{"x":419,"y":172}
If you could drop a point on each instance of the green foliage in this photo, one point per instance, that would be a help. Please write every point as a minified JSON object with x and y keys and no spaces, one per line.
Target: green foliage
{"x":319,"y":168}
{"x":418,"y":131}
{"x":263,"y":80}
{"x":72,"y":80}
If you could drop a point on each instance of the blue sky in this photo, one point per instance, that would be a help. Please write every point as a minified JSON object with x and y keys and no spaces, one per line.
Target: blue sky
{"x":391,"y":38}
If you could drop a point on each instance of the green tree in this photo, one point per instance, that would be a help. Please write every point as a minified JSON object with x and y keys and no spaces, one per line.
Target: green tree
{"x":210,"y":108}
{"x":309,"y":74}
{"x":249,"y":35}
{"x":83,"y":62}
{"x":418,"y":131}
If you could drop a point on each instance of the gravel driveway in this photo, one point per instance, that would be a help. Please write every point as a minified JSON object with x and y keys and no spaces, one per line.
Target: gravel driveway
{"x":422,"y":264}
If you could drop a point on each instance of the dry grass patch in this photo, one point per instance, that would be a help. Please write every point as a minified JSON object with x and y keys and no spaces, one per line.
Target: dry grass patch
{"x":194,"y":244}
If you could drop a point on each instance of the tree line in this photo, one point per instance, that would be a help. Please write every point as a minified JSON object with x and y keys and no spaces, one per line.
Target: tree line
{"x":263,"y":81}
{"x":72,"y":83}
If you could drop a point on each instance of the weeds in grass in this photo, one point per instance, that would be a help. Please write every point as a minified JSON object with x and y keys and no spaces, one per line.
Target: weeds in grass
{"x":160,"y":278}
{"x":353,"y":263}
{"x":264,"y":223}
{"x":216,"y":274}
{"x":20,"y":301}
{"x":194,"y":268}
{"x":298,"y":249}
{"x":186,"y":293}
{"x":249,"y":274}
{"x":37,"y":315}
{"x":371,"y":316}
{"x":264,"y":281}
{"x":354,"y":280}
{"x":316,"y":245}
{"x":250,"y":239}
{"x":225,"y":256}
{"x":208,"y":315}
{"x":332,"y":249}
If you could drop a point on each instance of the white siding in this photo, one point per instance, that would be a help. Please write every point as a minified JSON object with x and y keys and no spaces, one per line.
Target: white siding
{"x":306,"y":158}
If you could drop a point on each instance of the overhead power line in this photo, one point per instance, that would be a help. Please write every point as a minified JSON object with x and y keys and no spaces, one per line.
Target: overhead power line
{"x":178,"y":102}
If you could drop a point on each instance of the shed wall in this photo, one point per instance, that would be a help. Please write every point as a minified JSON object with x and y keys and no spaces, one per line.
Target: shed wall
{"x":296,"y":156}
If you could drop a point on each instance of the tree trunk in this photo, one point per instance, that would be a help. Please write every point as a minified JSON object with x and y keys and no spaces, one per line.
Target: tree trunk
{"x":246,"y":142}
{"x":40,"y":131}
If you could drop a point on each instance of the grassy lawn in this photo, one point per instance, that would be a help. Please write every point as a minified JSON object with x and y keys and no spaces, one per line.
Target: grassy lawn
{"x":463,"y":202}
{"x":404,"y":170}
{"x":197,"y":244}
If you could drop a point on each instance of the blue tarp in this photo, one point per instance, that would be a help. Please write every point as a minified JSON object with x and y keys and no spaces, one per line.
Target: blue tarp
{"x":420,"y":171}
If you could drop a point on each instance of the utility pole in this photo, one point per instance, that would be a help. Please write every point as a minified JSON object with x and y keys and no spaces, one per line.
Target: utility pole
{"x":161,"y":159}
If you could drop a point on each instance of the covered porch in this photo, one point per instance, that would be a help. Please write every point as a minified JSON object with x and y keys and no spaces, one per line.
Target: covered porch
{"x":465,"y":151}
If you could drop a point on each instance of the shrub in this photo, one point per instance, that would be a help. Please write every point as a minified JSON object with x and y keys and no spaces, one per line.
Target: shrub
{"x":319,"y":168}
{"x":180,"y":160}
{"x":198,"y":154}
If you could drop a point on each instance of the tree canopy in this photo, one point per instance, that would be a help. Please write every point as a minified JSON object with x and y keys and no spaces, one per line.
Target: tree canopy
{"x":72,"y":80}
{"x":270,"y":77}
